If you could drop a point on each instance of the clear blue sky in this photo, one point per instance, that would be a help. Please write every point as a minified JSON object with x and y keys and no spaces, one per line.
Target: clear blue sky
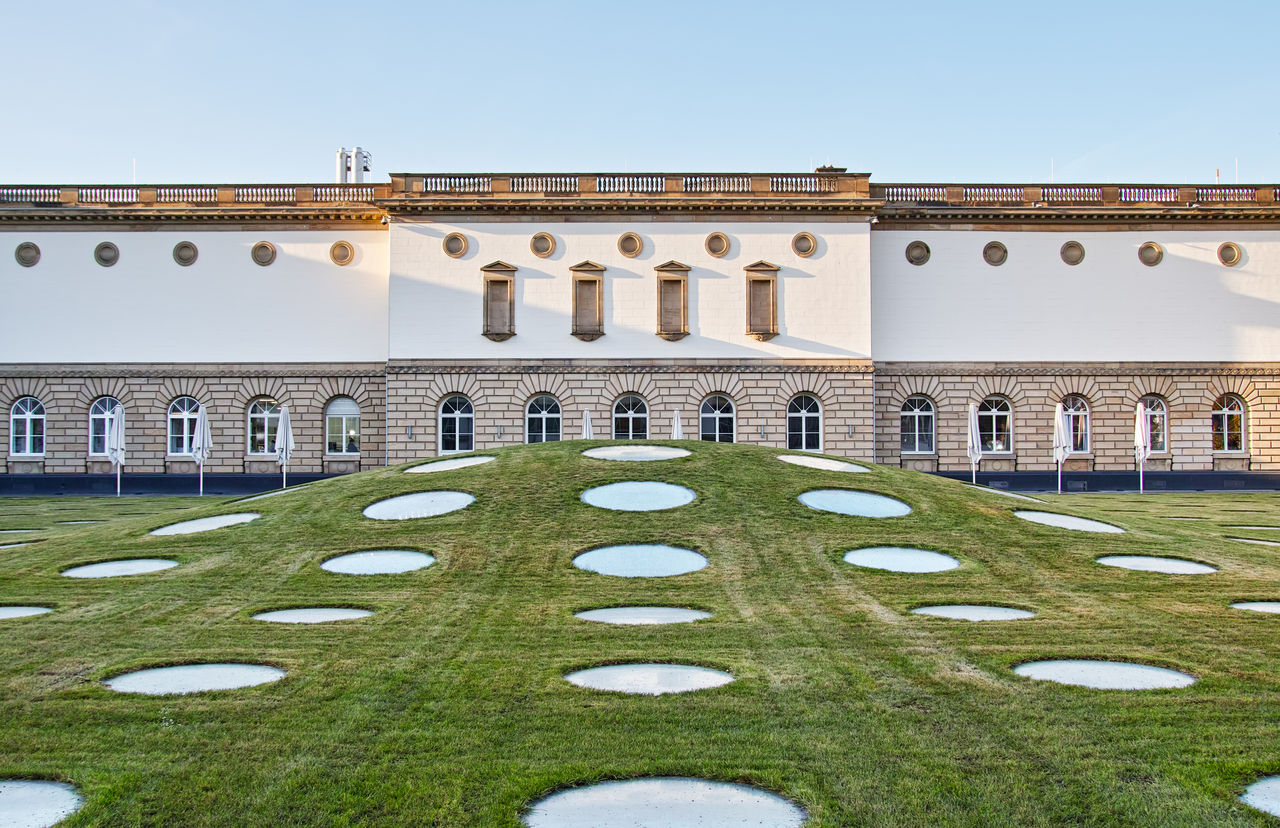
{"x":220,"y":91}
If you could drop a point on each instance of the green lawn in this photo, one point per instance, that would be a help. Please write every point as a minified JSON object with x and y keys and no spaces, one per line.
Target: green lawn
{"x":447,"y":706}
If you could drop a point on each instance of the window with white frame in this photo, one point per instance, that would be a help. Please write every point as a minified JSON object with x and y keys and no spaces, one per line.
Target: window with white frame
{"x":342,"y":426}
{"x":1228,"y":423}
{"x":1076,"y":408}
{"x":26,"y":427}
{"x":717,"y":421}
{"x":100,"y":423}
{"x":182,"y":424}
{"x":264,"y":422}
{"x":630,"y":418}
{"x":917,"y":426}
{"x":804,"y":423}
{"x":1158,"y":422}
{"x":542,"y":420}
{"x":457,"y":425}
{"x":995,"y":425}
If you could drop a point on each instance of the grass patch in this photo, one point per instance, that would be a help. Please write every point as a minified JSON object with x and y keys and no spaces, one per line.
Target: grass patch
{"x":448,"y":706}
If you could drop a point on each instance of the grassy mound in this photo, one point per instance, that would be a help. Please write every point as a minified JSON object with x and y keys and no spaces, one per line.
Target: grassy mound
{"x":447,"y":706}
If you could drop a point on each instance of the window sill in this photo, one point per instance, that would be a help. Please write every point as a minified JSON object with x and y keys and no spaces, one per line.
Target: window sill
{"x":1240,"y":453}
{"x":342,"y":455}
{"x":588,"y":336}
{"x":920,"y":455}
{"x":499,"y":336}
{"x":26,"y":456}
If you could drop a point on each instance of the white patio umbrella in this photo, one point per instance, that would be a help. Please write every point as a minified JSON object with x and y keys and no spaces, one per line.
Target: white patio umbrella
{"x":201,"y":443}
{"x":1141,"y":441}
{"x":677,"y":430}
{"x":1061,"y":440}
{"x":588,"y":433}
{"x":115,"y":441}
{"x":284,"y":445}
{"x":974,"y":448}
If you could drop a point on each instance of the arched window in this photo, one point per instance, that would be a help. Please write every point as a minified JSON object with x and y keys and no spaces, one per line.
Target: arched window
{"x":995,"y":425}
{"x":182,"y":424}
{"x":717,"y":421}
{"x":1228,"y":423}
{"x":1158,"y":421}
{"x":26,"y":427}
{"x":630,"y":418}
{"x":342,"y":426}
{"x":100,"y":422}
{"x":917,"y":426}
{"x":1076,"y":408}
{"x":804,"y":423}
{"x":542,"y":420}
{"x":457,"y":425}
{"x":264,"y":421}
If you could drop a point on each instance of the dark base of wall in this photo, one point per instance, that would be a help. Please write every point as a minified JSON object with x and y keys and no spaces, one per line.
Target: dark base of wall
{"x":1119,"y":481}
{"x":188,"y":485}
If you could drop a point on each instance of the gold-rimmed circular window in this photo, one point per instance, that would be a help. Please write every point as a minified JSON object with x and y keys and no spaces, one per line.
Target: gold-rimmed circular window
{"x":918,"y":253}
{"x":106,"y":254}
{"x":1150,"y":254}
{"x":263,"y":253}
{"x":1229,"y":254}
{"x":630,"y":245}
{"x":804,"y":245}
{"x":995,"y":254}
{"x":717,"y":245}
{"x":456,"y":245}
{"x":342,"y":253}
{"x":542,"y":245}
{"x":27,"y":254}
{"x":1072,"y":253}
{"x":185,"y":253}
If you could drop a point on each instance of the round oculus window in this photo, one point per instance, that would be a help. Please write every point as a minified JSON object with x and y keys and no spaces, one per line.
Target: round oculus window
{"x":106,"y":254}
{"x":1072,"y":253}
{"x":717,"y":245}
{"x":263,"y":253}
{"x":185,"y":253}
{"x":630,"y":245}
{"x":1229,"y":254}
{"x":995,"y":253}
{"x":27,"y":254}
{"x":342,"y":253}
{"x":917,"y":253}
{"x":455,"y":245}
{"x":1150,"y":254}
{"x":542,"y":245}
{"x":804,"y":245}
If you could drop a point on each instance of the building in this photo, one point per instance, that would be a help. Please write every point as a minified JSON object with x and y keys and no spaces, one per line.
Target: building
{"x":821,"y":311}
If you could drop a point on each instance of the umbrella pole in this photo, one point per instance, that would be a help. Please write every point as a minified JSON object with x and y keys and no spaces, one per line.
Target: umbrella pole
{"x":117,"y":480}
{"x":1141,"y":484}
{"x":973,"y":472}
{"x":1059,"y":478}
{"x":202,"y":479}
{"x":284,"y":475}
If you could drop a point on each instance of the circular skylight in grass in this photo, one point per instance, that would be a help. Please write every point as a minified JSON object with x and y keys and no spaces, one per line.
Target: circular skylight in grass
{"x":378,"y":562}
{"x":32,"y":803}
{"x":1264,"y":795}
{"x":1002,"y":493}
{"x":450,"y":465}
{"x":1272,"y":607}
{"x":638,"y":496}
{"x":114,"y":569}
{"x":1150,"y":563}
{"x":857,"y":504}
{"x":22,"y":612}
{"x":643,"y":616}
{"x":1077,"y":524}
{"x":649,"y":679}
{"x":1105,"y":675}
{"x":823,"y":463}
{"x":664,"y":801}
{"x":640,"y":560}
{"x":974,"y":612}
{"x":635,"y":454}
{"x":289,"y":490}
{"x":312,"y":615}
{"x":418,"y":505}
{"x":194,"y":678}
{"x":191,"y":527}
{"x":901,"y":559}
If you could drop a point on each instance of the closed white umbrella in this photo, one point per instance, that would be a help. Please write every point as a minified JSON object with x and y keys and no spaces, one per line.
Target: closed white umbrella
{"x":1141,"y":441}
{"x":1061,"y":440}
{"x":115,"y":441}
{"x":677,"y":430}
{"x":974,"y":448}
{"x":588,"y":433}
{"x":201,"y":443}
{"x":284,"y":445}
